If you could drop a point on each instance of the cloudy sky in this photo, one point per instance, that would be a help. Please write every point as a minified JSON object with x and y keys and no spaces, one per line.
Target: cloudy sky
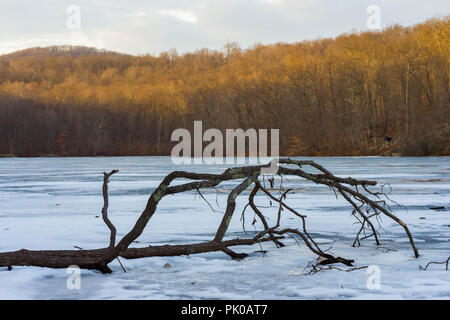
{"x":152,"y":26}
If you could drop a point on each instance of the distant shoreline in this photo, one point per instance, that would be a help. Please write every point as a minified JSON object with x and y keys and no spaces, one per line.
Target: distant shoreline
{"x":290,"y":156}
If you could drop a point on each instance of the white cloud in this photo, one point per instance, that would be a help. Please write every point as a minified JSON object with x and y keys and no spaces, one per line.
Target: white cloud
{"x":142,"y":26}
{"x":187,"y":16}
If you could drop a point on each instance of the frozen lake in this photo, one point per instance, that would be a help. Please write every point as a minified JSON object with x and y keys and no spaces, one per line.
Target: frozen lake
{"x":54,"y":203}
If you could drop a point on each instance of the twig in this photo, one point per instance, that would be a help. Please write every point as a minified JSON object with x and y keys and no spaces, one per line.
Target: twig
{"x":446,"y":262}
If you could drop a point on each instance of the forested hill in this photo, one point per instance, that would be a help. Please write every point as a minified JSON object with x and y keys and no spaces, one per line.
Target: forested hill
{"x":338,"y":96}
{"x":56,"y":51}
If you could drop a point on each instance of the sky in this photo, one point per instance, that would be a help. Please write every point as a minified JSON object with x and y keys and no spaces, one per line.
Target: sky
{"x":154,"y":26}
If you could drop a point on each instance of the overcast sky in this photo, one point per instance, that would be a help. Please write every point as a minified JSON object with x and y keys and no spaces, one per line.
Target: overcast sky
{"x":152,"y":26}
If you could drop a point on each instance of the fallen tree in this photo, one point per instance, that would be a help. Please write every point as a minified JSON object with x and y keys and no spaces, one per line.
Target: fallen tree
{"x":367,"y":205}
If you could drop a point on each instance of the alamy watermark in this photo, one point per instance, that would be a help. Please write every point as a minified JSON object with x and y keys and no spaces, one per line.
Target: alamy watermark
{"x":73,"y":21}
{"x":73,"y":282}
{"x":374,"y":19}
{"x":374,"y":279}
{"x":236,"y":147}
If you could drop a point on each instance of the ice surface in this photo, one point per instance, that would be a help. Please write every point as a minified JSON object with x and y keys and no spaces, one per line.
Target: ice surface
{"x":52,"y":203}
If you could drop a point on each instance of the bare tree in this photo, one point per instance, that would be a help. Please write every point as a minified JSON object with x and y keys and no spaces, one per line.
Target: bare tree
{"x":98,"y":259}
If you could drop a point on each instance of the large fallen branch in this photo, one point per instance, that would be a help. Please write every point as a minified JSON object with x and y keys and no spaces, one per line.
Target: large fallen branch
{"x":98,"y":259}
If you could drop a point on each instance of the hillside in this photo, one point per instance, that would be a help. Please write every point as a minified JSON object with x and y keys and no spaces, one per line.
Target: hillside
{"x":339,"y":96}
{"x":56,"y":51}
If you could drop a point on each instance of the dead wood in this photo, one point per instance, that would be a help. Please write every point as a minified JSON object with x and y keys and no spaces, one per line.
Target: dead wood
{"x":99,"y":259}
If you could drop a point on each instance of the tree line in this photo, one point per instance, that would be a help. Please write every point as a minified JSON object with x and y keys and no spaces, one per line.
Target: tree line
{"x":340,"y":96}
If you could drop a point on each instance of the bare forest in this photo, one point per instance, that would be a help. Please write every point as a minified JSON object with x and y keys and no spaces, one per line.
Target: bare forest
{"x":371,"y":93}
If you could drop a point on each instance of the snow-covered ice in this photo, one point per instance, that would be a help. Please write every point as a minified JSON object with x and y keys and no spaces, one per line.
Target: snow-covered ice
{"x":53,"y":203}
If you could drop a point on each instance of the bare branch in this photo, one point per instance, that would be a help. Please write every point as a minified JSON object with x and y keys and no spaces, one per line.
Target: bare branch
{"x":108,"y":222}
{"x":446,"y":262}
